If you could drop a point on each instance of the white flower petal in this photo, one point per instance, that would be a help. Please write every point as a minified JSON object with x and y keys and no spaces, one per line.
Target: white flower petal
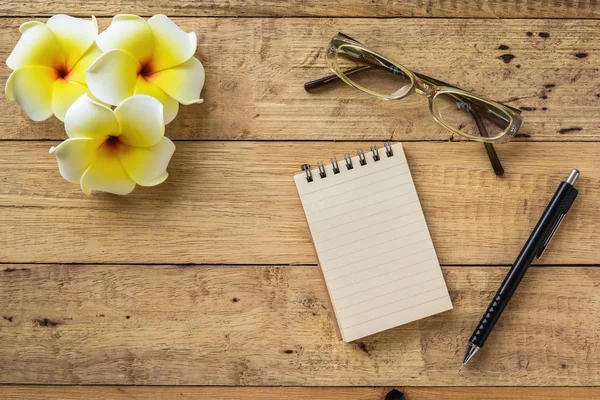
{"x":130,"y":34}
{"x":147,"y":166}
{"x":75,"y":35}
{"x":170,"y":105}
{"x":77,"y":73}
{"x":36,"y":47}
{"x":172,"y":45}
{"x":183,"y":82}
{"x":74,"y":156}
{"x":31,"y":88}
{"x":87,"y":118}
{"x":106,"y":173}
{"x":141,"y":121}
{"x":112,"y":77}
{"x":64,"y":95}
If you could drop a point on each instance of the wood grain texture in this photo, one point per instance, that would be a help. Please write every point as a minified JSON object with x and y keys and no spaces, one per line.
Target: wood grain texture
{"x":345,"y":8}
{"x":261,"y":325}
{"x":236,"y":203}
{"x":90,"y":319}
{"x":290,"y":393}
{"x":256,"y":69}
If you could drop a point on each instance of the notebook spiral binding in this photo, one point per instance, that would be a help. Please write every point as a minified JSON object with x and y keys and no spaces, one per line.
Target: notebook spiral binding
{"x":362,"y":159}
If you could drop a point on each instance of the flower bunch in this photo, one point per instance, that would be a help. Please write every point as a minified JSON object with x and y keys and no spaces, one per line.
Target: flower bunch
{"x":115,"y":91}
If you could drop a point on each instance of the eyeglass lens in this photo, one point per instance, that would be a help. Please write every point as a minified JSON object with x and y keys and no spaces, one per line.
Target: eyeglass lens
{"x":473,"y":117}
{"x":376,"y":75}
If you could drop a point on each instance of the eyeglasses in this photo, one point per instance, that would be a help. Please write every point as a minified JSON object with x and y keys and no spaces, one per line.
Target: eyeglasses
{"x":466,"y":114}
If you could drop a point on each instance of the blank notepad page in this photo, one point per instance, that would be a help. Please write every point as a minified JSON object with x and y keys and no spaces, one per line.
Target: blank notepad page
{"x":373,"y":245}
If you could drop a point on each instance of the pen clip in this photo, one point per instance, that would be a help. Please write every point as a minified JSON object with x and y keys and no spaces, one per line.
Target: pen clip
{"x":563,"y":209}
{"x":551,"y":235}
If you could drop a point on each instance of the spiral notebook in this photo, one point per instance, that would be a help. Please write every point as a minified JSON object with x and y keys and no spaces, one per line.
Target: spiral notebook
{"x":374,"y":248}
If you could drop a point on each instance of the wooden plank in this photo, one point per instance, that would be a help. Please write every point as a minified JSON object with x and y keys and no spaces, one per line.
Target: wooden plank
{"x":256,"y":69}
{"x":296,"y":8}
{"x":291,"y":393}
{"x":271,"y":326}
{"x":236,"y":203}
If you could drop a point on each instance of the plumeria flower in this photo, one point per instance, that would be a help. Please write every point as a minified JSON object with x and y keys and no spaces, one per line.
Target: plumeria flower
{"x":154,"y":57}
{"x":111,"y":151}
{"x":49,"y":64}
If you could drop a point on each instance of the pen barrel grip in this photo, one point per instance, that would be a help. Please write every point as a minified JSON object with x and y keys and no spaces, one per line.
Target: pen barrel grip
{"x":491,"y":316}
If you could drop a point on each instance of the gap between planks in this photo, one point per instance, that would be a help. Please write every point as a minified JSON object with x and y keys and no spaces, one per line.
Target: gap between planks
{"x":17,"y":392}
{"x":318,"y":8}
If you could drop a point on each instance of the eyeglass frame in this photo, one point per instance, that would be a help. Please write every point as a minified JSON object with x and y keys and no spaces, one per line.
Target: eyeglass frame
{"x":421,"y":84}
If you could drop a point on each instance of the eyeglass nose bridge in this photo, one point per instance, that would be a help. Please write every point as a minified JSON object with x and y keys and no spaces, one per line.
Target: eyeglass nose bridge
{"x":424,"y":88}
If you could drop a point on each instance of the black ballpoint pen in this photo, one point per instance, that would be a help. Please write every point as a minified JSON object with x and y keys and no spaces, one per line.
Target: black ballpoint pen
{"x":535,"y":246}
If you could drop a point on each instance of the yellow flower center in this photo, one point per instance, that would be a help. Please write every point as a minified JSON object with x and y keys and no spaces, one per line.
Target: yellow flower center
{"x":62,"y":71}
{"x":146,"y":70}
{"x":112,"y":143}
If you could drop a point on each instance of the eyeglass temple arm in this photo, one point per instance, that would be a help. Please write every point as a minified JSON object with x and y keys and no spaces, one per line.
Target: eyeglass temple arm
{"x":489,"y":148}
{"x":317,"y":83}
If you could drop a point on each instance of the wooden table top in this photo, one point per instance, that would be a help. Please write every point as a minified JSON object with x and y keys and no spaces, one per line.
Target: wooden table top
{"x":208,"y":284}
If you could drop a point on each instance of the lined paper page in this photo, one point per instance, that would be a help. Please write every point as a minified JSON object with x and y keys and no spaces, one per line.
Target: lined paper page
{"x":373,"y":245}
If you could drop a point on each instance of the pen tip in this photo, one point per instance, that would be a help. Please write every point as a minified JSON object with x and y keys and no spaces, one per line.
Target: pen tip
{"x":461,"y":367}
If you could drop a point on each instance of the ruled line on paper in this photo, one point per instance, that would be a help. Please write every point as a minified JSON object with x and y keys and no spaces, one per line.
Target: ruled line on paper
{"x":366,"y":258}
{"x":348,"y":230}
{"x":362,"y":272}
{"x":368,"y":216}
{"x":379,"y":276}
{"x":355,"y":198}
{"x":312,"y":218}
{"x":380,"y":243}
{"x":335,"y":279}
{"x":378,"y":307}
{"x":350,"y":212}
{"x":373,"y":267}
{"x":395,"y":312}
{"x":417,"y":287}
{"x":401,"y":299}
{"x":362,"y":238}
